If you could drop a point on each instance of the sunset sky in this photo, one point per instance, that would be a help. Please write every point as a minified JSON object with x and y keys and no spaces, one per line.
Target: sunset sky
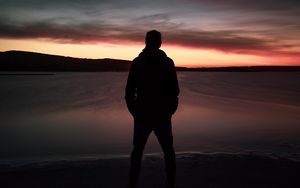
{"x":195,"y":33}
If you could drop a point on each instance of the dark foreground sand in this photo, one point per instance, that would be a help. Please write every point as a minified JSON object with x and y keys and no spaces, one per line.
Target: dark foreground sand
{"x":197,"y":170}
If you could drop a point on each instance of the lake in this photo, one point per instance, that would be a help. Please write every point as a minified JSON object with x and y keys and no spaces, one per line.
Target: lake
{"x":73,"y":115}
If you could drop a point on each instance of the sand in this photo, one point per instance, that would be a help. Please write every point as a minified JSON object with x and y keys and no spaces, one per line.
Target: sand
{"x":207,"y":170}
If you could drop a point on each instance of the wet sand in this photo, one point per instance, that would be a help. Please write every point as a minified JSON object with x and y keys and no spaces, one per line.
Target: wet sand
{"x":207,"y":170}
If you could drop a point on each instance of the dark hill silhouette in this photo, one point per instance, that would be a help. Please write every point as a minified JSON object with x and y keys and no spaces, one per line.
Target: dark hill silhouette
{"x":32,"y":61}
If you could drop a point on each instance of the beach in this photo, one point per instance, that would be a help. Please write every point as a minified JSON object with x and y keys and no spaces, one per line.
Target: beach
{"x":208,"y":170}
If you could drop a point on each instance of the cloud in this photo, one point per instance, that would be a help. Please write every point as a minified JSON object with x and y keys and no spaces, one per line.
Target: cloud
{"x":262,"y":5}
{"x":227,"y":40}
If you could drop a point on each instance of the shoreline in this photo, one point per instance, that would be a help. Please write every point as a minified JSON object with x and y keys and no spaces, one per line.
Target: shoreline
{"x":17,"y":162}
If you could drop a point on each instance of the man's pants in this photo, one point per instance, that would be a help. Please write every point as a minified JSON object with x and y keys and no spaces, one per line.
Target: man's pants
{"x":162,"y":128}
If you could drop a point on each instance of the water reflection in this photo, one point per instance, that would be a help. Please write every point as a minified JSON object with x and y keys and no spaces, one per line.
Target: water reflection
{"x":85,"y":114}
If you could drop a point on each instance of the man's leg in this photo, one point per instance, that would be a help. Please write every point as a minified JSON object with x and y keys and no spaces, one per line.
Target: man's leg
{"x":163,"y":132}
{"x":140,"y":136}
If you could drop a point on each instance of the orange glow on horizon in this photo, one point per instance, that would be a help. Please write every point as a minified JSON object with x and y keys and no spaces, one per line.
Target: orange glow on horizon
{"x":182,"y":56}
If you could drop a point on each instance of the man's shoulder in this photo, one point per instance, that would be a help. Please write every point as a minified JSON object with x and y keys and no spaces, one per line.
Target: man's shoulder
{"x":136,"y":61}
{"x":139,"y":58}
{"x":165,"y":58}
{"x":169,"y":62}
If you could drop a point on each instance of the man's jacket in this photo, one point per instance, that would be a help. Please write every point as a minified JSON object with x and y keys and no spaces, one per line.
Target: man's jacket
{"x":152,"y":87}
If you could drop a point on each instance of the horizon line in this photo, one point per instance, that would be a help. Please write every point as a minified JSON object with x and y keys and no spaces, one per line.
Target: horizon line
{"x":191,"y":67}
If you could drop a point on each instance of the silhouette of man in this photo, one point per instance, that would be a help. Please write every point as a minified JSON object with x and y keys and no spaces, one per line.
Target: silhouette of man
{"x":152,"y":98}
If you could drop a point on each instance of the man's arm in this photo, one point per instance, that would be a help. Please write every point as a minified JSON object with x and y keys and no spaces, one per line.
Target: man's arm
{"x":130,"y":91}
{"x":174,"y":87}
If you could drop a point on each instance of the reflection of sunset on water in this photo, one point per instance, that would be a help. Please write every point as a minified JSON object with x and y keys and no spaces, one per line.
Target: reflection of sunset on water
{"x":91,"y":118}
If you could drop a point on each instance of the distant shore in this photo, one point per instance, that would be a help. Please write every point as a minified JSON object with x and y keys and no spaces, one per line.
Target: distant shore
{"x":207,"y":170}
{"x":25,"y":74}
{"x":38,"y":62}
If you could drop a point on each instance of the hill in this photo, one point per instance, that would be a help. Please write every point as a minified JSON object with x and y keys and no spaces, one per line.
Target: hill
{"x":31,"y":61}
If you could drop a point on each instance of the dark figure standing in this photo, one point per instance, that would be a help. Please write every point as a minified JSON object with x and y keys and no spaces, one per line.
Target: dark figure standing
{"x":152,"y":98}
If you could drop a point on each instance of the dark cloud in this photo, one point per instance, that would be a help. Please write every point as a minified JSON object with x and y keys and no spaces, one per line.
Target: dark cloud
{"x":69,"y":33}
{"x":220,"y":40}
{"x":261,"y":5}
{"x":229,"y":40}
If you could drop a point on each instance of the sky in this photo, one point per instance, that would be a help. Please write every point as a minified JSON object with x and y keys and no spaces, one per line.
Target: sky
{"x":196,"y":33}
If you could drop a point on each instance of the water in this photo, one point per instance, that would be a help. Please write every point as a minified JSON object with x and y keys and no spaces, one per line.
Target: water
{"x":69,"y":115}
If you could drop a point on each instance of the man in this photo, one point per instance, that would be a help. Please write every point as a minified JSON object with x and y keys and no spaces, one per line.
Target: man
{"x":152,"y":98}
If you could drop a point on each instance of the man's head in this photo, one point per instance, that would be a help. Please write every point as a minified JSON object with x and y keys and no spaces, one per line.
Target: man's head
{"x":153,"y":39}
